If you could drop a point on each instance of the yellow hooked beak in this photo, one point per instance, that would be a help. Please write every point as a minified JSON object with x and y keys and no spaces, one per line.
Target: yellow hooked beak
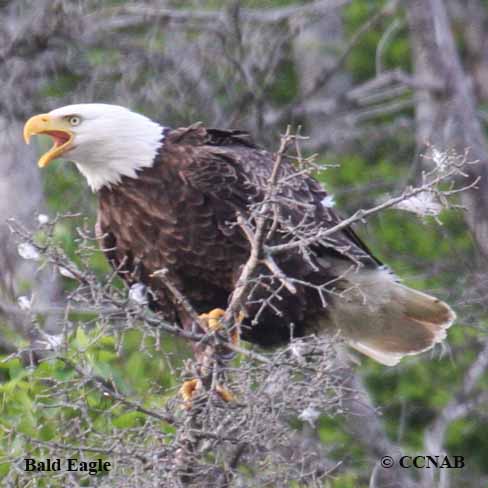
{"x":59,"y":129}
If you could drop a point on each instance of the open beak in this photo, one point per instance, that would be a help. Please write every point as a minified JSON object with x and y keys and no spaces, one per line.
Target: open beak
{"x":58,"y":129}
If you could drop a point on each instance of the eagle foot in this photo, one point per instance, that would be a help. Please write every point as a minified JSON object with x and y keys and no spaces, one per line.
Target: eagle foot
{"x":212,"y":319}
{"x":212,"y":322}
{"x":190,"y":388}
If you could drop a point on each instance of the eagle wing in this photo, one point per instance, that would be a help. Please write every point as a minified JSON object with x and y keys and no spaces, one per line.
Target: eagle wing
{"x":231,"y":168}
{"x":376,"y":314}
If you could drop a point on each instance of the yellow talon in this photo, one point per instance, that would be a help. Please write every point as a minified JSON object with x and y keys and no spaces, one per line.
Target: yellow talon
{"x":187,"y":390}
{"x":225,"y":394}
{"x":212,"y":319}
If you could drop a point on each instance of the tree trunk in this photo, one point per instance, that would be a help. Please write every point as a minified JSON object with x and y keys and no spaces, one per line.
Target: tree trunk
{"x":449,"y":120}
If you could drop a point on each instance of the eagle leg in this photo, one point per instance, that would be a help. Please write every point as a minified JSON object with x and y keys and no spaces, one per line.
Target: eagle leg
{"x":212,"y":323}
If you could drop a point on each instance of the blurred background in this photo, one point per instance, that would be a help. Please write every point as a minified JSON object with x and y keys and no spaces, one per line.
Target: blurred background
{"x":373,"y":84}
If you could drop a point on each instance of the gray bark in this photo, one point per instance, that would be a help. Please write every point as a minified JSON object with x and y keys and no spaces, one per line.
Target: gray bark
{"x":450,"y":119}
{"x":21,"y":198}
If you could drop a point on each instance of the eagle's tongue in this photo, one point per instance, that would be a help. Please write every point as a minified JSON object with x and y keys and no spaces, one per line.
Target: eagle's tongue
{"x":58,"y":137}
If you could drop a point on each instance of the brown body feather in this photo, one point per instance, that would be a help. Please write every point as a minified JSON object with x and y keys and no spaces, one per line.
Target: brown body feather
{"x":179,"y":215}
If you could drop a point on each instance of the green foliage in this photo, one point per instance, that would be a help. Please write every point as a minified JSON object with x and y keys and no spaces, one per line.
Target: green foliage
{"x":285,"y":87}
{"x":103,"y":56}
{"x":58,"y":86}
{"x":31,"y":412}
{"x":468,"y":436}
{"x":361,"y":61}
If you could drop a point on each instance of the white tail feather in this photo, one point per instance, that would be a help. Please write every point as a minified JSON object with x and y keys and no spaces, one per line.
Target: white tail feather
{"x":386,"y":358}
{"x":386,"y":320}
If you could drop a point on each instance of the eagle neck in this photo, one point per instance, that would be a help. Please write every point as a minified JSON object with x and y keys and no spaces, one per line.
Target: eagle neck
{"x":134,"y":149}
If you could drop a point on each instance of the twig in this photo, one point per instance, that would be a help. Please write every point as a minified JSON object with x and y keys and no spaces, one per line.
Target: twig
{"x":361,"y":214}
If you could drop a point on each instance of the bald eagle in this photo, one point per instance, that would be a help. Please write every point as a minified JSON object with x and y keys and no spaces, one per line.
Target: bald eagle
{"x":168,"y":199}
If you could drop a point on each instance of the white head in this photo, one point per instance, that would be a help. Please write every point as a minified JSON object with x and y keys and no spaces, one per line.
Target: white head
{"x":105,"y":141}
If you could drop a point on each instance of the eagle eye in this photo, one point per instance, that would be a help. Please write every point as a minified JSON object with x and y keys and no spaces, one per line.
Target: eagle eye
{"x":74,"y":120}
